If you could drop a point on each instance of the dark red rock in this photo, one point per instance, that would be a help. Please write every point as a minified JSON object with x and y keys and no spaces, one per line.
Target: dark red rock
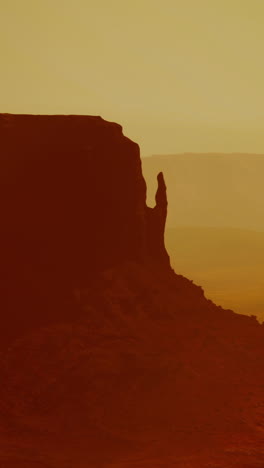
{"x":156,"y":220}
{"x":73,"y":202}
{"x":134,"y":366}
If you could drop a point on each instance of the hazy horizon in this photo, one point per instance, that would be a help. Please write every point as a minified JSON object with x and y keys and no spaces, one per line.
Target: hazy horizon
{"x":215,"y":226}
{"x":178,"y":76}
{"x":226,"y":262}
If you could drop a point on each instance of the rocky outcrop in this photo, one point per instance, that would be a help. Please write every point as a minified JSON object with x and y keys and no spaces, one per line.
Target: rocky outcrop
{"x":156,"y":220}
{"x":150,"y":374}
{"x":112,"y":358}
{"x":72,"y":202}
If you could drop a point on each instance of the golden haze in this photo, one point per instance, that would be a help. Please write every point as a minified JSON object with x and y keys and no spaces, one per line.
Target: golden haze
{"x":179,"y":76}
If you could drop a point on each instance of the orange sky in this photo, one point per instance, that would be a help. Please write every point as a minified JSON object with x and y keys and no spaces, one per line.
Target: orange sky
{"x":179,"y":75}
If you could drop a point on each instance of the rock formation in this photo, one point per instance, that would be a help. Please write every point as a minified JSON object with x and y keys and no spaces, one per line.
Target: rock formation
{"x":156,"y":220}
{"x":73,"y":202}
{"x":108,"y":358}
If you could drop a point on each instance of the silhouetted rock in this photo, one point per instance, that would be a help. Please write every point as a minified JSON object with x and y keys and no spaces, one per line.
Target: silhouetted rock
{"x":73,"y":202}
{"x":156,"y":220}
{"x":113,"y":360}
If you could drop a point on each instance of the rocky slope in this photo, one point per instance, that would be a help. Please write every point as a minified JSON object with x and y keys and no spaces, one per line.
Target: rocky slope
{"x":109,"y":358}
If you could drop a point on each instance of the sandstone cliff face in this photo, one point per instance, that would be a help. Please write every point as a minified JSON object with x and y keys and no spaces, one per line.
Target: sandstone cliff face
{"x":73,"y":190}
{"x":112,"y":360}
{"x":72,"y":202}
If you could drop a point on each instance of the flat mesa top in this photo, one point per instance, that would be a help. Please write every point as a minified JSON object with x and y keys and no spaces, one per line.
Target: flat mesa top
{"x":63,"y":126}
{"x":25,"y":119}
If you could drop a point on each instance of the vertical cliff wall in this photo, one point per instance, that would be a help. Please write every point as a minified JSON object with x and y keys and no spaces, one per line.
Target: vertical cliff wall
{"x":134,"y":366}
{"x":73,"y":202}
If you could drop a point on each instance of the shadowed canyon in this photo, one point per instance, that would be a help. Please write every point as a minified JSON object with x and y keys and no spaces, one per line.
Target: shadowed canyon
{"x":110,"y":359}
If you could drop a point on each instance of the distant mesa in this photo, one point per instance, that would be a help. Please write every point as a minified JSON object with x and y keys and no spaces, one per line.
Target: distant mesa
{"x":214,"y":189}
